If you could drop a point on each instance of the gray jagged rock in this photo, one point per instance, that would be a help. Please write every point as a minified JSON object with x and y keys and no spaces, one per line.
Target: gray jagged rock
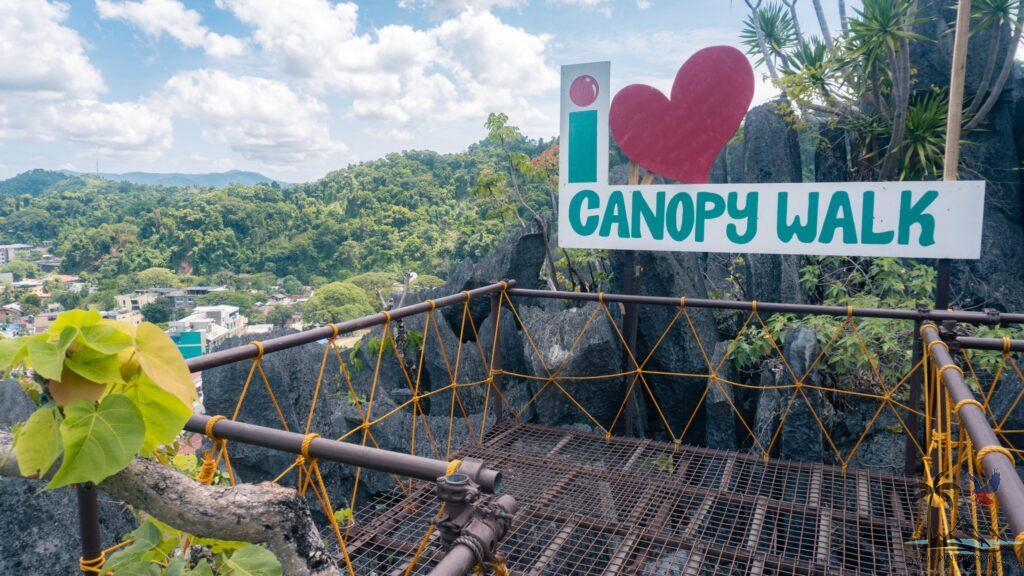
{"x":40,"y":528}
{"x":801,"y":437}
{"x":669,"y":274}
{"x":292,"y":374}
{"x":830,"y":154}
{"x":564,"y":351}
{"x":720,"y":432}
{"x":771,"y":153}
{"x":997,"y":278}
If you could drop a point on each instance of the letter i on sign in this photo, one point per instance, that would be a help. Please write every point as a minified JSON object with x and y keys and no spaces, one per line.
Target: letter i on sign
{"x":584,"y":134}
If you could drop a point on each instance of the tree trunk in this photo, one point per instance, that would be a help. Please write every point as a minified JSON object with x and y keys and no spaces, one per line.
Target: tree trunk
{"x":1004,"y":74}
{"x":258,"y":513}
{"x":822,"y":22}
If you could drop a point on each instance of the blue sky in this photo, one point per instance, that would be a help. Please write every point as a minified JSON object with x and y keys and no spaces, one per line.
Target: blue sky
{"x":296,"y":88}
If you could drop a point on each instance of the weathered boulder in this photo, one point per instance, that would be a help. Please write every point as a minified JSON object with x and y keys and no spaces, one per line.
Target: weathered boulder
{"x":883,"y":447}
{"x":565,"y":349}
{"x":771,"y":153}
{"x":830,"y":154}
{"x":801,"y":437}
{"x":997,"y":278}
{"x":720,"y":432}
{"x":292,"y":374}
{"x":675,"y":275}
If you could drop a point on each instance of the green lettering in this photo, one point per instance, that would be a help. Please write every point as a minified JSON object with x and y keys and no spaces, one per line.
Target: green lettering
{"x":654,"y":219}
{"x":867,"y":223}
{"x":579,"y":226}
{"x":804,"y":232}
{"x":615,"y":214}
{"x":911,"y":214}
{"x":708,"y":206}
{"x":748,"y":213}
{"x":680,"y":216}
{"x":839,"y":215}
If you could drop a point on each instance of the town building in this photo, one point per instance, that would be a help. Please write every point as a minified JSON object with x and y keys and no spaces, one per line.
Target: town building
{"x":206,"y":325}
{"x":10,"y":252}
{"x":136,"y":300}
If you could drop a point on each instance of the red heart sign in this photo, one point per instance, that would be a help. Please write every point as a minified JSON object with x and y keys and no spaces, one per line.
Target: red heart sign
{"x":680,"y":138}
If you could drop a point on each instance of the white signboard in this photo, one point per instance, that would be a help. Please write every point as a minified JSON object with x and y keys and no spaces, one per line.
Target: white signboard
{"x":906,"y":219}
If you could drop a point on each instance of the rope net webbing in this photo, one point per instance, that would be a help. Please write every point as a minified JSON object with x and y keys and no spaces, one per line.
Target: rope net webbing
{"x":472,"y":374}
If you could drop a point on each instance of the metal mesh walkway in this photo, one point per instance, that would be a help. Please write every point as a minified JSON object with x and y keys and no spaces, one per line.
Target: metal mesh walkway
{"x":635,"y":506}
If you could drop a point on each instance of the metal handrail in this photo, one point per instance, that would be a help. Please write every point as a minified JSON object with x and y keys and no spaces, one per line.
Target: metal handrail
{"x":988,"y":317}
{"x":252,"y":350}
{"x":1010,"y":492}
{"x":399,"y":463}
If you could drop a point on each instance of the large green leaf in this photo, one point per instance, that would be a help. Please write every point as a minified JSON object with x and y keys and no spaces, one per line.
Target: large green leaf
{"x":138,"y":557}
{"x":162,"y":362}
{"x":12,"y":350}
{"x":45,"y":357}
{"x":164,"y":414}
{"x":98,"y":440}
{"x":37,"y":443}
{"x":105,"y":338}
{"x":76,"y":319}
{"x":252,"y":561}
{"x":100,"y":367}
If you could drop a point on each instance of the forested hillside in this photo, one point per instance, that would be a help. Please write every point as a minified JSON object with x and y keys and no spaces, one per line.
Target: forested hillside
{"x":413,"y":210}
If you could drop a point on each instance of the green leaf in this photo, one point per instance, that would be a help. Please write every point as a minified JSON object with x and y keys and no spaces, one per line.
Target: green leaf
{"x":105,"y":338}
{"x":98,"y":440}
{"x":177,"y":567}
{"x":252,"y":561}
{"x":12,"y":350}
{"x":76,"y":319}
{"x":163,"y":413}
{"x":97,"y":366}
{"x":37,"y":444}
{"x":162,"y":362}
{"x":45,"y":357}
{"x":135,"y":558}
{"x":67,"y":336}
{"x":202,"y":569}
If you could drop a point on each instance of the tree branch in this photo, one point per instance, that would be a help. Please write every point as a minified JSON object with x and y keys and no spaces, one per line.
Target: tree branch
{"x":259,"y":513}
{"x":1004,"y":74}
{"x":822,"y":22}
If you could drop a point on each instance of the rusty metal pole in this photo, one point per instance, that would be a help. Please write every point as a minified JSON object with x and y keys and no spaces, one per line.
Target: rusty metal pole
{"x":89,"y":523}
{"x":911,"y":460}
{"x":630,"y":323}
{"x":499,"y":413}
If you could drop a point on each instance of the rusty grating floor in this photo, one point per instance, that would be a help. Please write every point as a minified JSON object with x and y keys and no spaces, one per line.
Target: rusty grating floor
{"x":646,"y":508}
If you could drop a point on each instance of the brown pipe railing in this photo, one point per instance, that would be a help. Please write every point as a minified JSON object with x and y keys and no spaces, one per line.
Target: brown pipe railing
{"x":248,"y":351}
{"x":399,"y":463}
{"x":995,"y":458}
{"x":996,"y":344}
{"x":992,"y":318}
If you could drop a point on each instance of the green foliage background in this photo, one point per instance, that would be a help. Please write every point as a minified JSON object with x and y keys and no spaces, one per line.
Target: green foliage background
{"x":407,"y":211}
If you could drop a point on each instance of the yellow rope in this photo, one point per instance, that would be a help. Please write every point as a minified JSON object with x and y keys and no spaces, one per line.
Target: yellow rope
{"x":967,"y":402}
{"x":95,"y":565}
{"x":991,"y":449}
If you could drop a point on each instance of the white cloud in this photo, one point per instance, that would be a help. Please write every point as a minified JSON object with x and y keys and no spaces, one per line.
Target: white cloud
{"x":171,"y":17}
{"x":457,"y":5}
{"x":392,"y":135}
{"x":598,"y":5}
{"x":41,"y":56}
{"x":49,"y":89}
{"x":260,"y":119}
{"x":467,"y":65}
{"x":120,"y":129}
